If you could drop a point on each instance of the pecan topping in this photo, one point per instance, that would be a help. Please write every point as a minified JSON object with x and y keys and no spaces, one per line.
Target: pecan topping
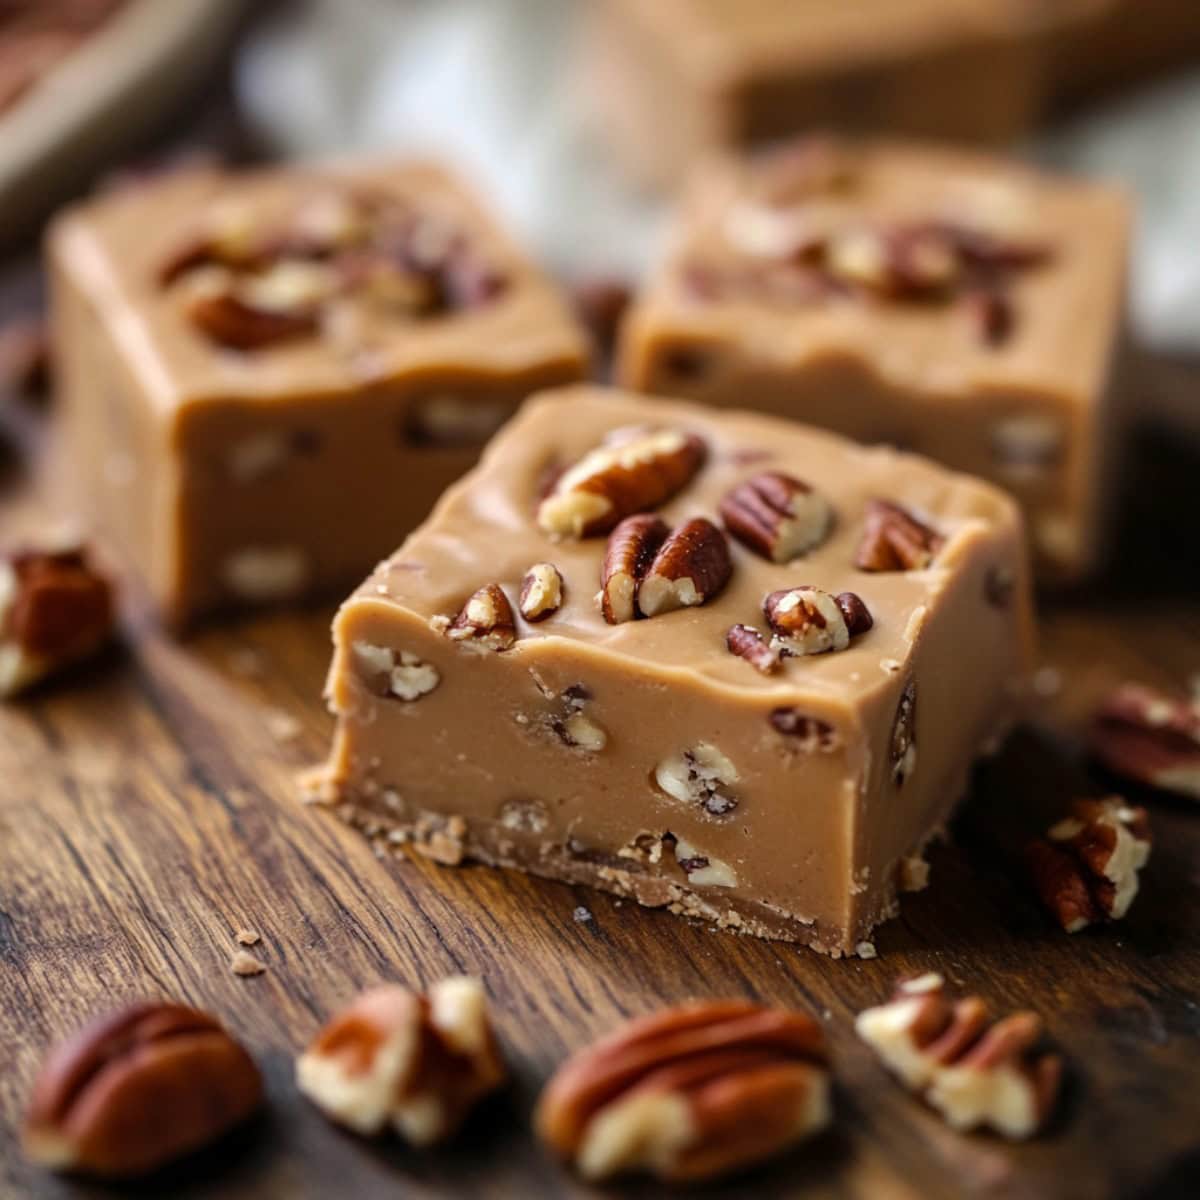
{"x":137,"y":1088}
{"x":617,"y":479}
{"x":894,"y":540}
{"x":486,"y":621}
{"x":691,"y":1093}
{"x":541,"y":592}
{"x":630,"y":551}
{"x":806,"y":620}
{"x":690,"y":568}
{"x":776,"y":515}
{"x":1150,"y":737}
{"x":1086,"y":867}
{"x":416,"y":1063}
{"x":701,"y":776}
{"x":746,"y":642}
{"x":904,"y":735}
{"x":972,"y":1070}
{"x":260,"y":310}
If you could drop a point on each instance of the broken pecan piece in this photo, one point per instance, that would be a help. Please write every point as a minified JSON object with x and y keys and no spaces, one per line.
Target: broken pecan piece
{"x":631,"y":549}
{"x":416,"y":1063}
{"x":701,"y":776}
{"x":806,"y":620}
{"x":972,"y":1070}
{"x":746,"y":642}
{"x":541,"y":592}
{"x":633,"y":473}
{"x":1086,"y":867}
{"x":776,"y":515}
{"x":1150,"y":737}
{"x":137,"y":1088}
{"x":277,"y":307}
{"x":894,"y":540}
{"x":486,"y":621}
{"x":691,"y":1093}
{"x":690,"y":568}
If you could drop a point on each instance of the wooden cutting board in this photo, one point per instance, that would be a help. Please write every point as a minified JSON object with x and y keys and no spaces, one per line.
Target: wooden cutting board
{"x":148,"y":809}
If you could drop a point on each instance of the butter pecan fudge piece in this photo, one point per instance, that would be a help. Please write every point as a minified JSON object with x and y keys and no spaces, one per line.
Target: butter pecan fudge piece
{"x":630,"y":739}
{"x":269,"y":377}
{"x":943,"y":301}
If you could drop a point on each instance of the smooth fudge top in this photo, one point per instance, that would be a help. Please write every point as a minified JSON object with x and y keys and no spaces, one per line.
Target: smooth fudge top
{"x":765,"y":556}
{"x":943,"y":270}
{"x":309,"y":280}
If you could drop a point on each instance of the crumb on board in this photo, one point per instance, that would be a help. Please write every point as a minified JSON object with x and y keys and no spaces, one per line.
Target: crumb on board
{"x":245,"y":964}
{"x":866,"y":950}
{"x":581,"y":916}
{"x":247,"y":937}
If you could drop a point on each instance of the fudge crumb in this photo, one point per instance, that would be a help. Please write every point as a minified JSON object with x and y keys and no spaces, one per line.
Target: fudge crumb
{"x":913,"y":874}
{"x":581,"y":916}
{"x":866,"y":950}
{"x":282,"y":726}
{"x":1047,"y":682}
{"x":246,"y":662}
{"x":245,"y":964}
{"x":247,"y":937}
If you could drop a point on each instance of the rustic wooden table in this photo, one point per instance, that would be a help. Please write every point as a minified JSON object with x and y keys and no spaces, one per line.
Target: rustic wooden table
{"x":149,"y":808}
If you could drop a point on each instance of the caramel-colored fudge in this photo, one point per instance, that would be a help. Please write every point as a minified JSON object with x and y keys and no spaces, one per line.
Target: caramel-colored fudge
{"x":268,"y":378}
{"x":941,"y":301}
{"x":715,"y":662}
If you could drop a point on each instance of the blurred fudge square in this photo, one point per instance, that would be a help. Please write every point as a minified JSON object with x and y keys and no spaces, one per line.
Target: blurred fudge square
{"x":268,"y":378}
{"x":961,"y":307}
{"x":715,"y":662}
{"x":676,"y":78}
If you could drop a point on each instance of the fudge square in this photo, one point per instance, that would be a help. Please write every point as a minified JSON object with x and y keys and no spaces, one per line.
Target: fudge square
{"x":958,"y":306}
{"x":716,"y":662}
{"x":269,"y":377}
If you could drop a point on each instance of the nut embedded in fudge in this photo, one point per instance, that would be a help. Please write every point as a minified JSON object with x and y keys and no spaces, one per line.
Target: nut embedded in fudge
{"x":948,"y":303}
{"x":268,"y":378}
{"x":779,"y":790}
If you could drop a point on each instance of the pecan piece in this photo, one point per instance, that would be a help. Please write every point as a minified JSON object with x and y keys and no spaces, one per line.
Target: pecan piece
{"x":776,"y":515}
{"x":249,"y":318}
{"x":746,"y":642}
{"x":701,"y":776}
{"x":631,"y":549}
{"x":806,"y":620}
{"x":972,"y":1070}
{"x":812,"y":734}
{"x":691,"y":1093}
{"x":416,"y":1063}
{"x":1150,"y":737}
{"x":619,"y":478}
{"x":541,"y":592}
{"x":991,"y":314}
{"x":137,"y":1088}
{"x":486,"y":621}
{"x":55,"y":609}
{"x":1086,"y":867}
{"x":690,"y":568}
{"x":903,"y":751}
{"x":894,"y":540}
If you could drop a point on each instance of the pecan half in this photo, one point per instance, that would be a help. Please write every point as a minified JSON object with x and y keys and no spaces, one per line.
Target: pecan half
{"x":541,"y":592}
{"x":746,"y":642}
{"x":806,"y":620}
{"x":1086,"y":867}
{"x":776,"y":515}
{"x":690,"y":568}
{"x":894,"y":540}
{"x":1150,"y":737}
{"x":137,"y":1088}
{"x":631,"y":549}
{"x":416,"y":1063}
{"x":55,"y":609}
{"x":621,"y":477}
{"x":486,"y":621}
{"x":972,"y":1070}
{"x":691,"y":1093}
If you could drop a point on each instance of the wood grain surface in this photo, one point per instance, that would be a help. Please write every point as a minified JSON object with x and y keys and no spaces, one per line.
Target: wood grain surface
{"x":149,"y":809}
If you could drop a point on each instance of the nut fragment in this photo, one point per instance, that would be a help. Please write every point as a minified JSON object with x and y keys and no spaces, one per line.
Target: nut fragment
{"x":690,"y":568}
{"x":631,"y":548}
{"x":397,"y":673}
{"x":702,"y":869}
{"x":776,"y":515}
{"x":894,"y":540}
{"x":746,"y":642}
{"x":1086,"y":867}
{"x":811,"y":734}
{"x":618,"y":479}
{"x":261,"y":574}
{"x":573,"y":726}
{"x":1150,"y":737}
{"x":486,"y":621}
{"x":417,"y":1063}
{"x":700,"y":776}
{"x":541,"y":592}
{"x":806,"y":620}
{"x":137,"y":1088}
{"x":973,"y":1071}
{"x":691,"y":1093}
{"x":904,"y":735}
{"x":55,"y":609}
{"x":247,"y":319}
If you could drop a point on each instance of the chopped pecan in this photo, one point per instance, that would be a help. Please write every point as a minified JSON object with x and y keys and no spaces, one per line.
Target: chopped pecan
{"x":991,"y":314}
{"x":631,"y":549}
{"x":416,"y":1063}
{"x":624,"y":476}
{"x":541,"y":592}
{"x":246,"y":319}
{"x":776,"y":515}
{"x":701,"y":776}
{"x":1150,"y":737}
{"x":904,"y":262}
{"x":811,"y":733}
{"x":486,"y":621}
{"x":1086,"y":867}
{"x":973,"y":1070}
{"x":894,"y":540}
{"x":746,"y":642}
{"x":903,"y":753}
{"x":573,"y":726}
{"x":690,"y":568}
{"x":396,"y":673}
{"x":806,"y":620}
{"x":691,"y":1093}
{"x":137,"y":1088}
{"x":702,"y":870}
